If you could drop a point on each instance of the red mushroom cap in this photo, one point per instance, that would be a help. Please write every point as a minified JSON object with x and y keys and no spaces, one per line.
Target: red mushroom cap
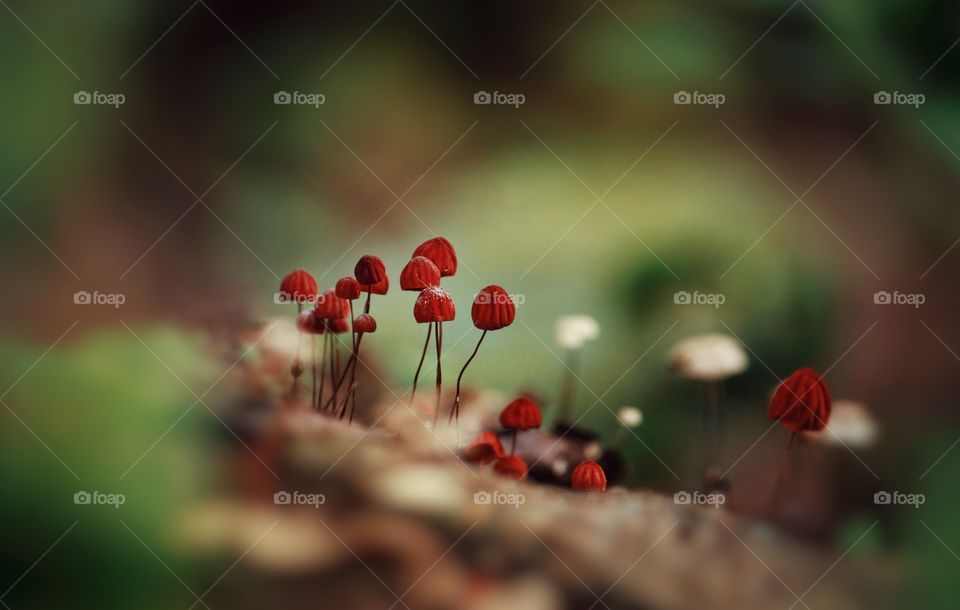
{"x":348,"y":288}
{"x":338,"y":325}
{"x":801,"y":402}
{"x":298,"y":286}
{"x":419,"y":273}
{"x":588,"y":476}
{"x":370,"y":269}
{"x":329,"y":305}
{"x":380,"y":287}
{"x":511,"y":466}
{"x":434,"y":305}
{"x":308,"y":323}
{"x":364,"y":323}
{"x":493,"y":308}
{"x":484,"y":449}
{"x":441,"y":253}
{"x":521,"y":414}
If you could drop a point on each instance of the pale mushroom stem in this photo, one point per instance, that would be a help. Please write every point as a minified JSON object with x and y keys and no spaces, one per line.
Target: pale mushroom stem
{"x":781,"y":475}
{"x":455,"y":409}
{"x":423,"y":355}
{"x":513,"y":442}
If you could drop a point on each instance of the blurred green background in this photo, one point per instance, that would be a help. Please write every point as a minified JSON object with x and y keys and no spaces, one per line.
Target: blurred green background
{"x":105,"y":199}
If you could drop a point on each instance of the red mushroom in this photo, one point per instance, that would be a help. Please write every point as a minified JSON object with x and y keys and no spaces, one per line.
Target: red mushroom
{"x":800,"y":403}
{"x":418,"y":274}
{"x":511,"y":466}
{"x":435,"y":306}
{"x":521,"y":414}
{"x":588,"y":476}
{"x":301,"y":287}
{"x":441,"y":253}
{"x":348,"y":288}
{"x":492,"y":309}
{"x":371,"y":274}
{"x":329,"y":307}
{"x":484,"y":449}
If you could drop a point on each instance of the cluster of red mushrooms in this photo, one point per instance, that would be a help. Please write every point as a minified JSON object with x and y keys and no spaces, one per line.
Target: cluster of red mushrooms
{"x":800,"y":403}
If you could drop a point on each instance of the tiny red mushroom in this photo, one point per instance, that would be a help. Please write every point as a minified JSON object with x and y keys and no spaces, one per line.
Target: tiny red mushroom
{"x":800,"y":403}
{"x":364,"y":323}
{"x":493,"y":309}
{"x":511,"y":466}
{"x":441,"y":253}
{"x":484,"y":449}
{"x":418,"y":274}
{"x":521,"y":414}
{"x":329,"y":307}
{"x":301,"y":287}
{"x":588,"y":476}
{"x":435,"y":306}
{"x":371,"y":274}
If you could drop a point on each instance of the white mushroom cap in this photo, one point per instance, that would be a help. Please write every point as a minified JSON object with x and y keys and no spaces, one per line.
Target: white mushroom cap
{"x":630,"y":417}
{"x":573,"y":331}
{"x":850,"y":424}
{"x":710,"y":357}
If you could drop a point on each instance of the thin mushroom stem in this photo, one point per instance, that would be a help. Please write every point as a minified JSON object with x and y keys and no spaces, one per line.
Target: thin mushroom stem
{"x":296,"y":363}
{"x":366,"y":306}
{"x":784,"y":465}
{"x":439,"y":341}
{"x":353,"y":333}
{"x":352,"y":367}
{"x":323,"y":373}
{"x":313,"y":367}
{"x":455,"y":409}
{"x":513,"y":442}
{"x":336,"y":373}
{"x":423,"y":355}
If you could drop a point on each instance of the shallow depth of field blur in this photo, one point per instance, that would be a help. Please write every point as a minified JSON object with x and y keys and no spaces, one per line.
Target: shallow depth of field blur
{"x":797,"y":199}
